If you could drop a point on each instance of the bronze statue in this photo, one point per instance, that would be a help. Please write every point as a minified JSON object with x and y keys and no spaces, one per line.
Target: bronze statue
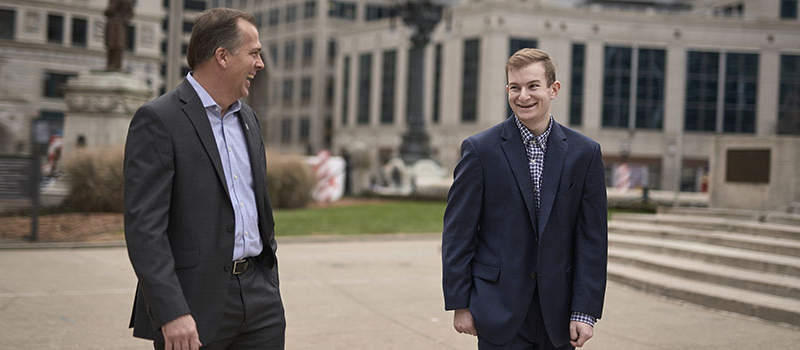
{"x":118,"y":14}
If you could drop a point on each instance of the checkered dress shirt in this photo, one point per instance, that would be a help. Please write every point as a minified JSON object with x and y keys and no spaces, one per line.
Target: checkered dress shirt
{"x":536,"y":149}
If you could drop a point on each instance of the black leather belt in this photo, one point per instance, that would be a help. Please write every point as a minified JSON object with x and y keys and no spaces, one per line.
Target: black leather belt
{"x":242,"y":265}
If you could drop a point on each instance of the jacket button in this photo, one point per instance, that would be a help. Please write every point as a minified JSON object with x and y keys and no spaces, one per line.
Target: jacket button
{"x":231,"y":228}
{"x":227,"y":267}
{"x":533,"y":275}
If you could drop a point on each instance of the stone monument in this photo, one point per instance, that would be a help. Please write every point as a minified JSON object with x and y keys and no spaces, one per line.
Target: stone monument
{"x":100,"y":103}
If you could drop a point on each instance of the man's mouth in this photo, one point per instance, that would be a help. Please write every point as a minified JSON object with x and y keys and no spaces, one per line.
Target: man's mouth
{"x":250,"y":77}
{"x":528,"y":106}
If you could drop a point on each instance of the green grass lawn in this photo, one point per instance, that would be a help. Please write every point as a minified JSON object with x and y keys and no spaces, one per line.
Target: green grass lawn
{"x":384,"y":217}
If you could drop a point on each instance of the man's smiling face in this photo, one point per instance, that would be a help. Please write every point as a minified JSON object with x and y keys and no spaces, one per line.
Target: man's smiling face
{"x":246,"y":61}
{"x":529,"y":93}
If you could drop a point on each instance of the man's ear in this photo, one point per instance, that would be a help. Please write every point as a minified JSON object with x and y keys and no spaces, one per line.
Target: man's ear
{"x":221,"y":56}
{"x":554,"y":89}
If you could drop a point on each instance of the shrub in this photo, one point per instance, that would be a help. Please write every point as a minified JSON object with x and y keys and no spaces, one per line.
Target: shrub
{"x":290,"y":181}
{"x":95,"y":181}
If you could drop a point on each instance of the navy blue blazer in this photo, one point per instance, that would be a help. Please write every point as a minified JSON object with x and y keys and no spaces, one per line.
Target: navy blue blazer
{"x":496,"y":252}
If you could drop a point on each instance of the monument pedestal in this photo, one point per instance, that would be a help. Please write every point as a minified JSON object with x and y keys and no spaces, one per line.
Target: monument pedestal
{"x":100,"y":105}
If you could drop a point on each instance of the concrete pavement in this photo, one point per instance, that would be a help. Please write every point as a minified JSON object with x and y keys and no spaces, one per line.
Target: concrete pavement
{"x":352,"y":293}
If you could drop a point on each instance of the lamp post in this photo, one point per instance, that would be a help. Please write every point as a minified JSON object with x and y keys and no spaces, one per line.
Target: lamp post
{"x":422,"y":16}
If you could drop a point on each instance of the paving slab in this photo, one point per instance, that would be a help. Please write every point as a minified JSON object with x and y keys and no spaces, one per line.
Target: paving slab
{"x":351,"y":293}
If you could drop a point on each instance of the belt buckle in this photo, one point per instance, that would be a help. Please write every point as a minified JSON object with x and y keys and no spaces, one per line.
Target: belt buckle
{"x":239,"y":266}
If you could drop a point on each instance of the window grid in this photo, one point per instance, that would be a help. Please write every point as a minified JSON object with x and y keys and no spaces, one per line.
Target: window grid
{"x":617,"y":86}
{"x":789,"y":101}
{"x":576,"y":85}
{"x":741,"y":89}
{"x":388,"y":86}
{"x":650,"y":89}
{"x":364,"y":80}
{"x":469,"y":87}
{"x":702,"y":89}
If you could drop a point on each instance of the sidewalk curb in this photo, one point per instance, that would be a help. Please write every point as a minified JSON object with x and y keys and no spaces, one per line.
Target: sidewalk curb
{"x":374,"y":237}
{"x":60,"y":245}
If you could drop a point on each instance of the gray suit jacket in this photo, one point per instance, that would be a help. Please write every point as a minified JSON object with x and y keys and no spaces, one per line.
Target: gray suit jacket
{"x":179,"y":222}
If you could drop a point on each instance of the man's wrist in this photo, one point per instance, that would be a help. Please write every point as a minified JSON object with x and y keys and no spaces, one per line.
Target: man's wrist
{"x":582,"y":317}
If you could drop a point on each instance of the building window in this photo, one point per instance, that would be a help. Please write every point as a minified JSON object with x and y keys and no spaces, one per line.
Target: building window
{"x":329,"y":86}
{"x":7,"y":23}
{"x":387,"y":86}
{"x":469,"y":87}
{"x":259,"y":19}
{"x":789,"y":101}
{"x":650,"y":79}
{"x":305,"y":90}
{"x":364,"y":80}
{"x":331,"y":51}
{"x":79,"y":32}
{"x":288,"y":91}
{"x":288,"y":54}
{"x":616,"y":87}
{"x":741,"y":88}
{"x":437,"y":84}
{"x":273,"y":54}
{"x":702,"y":89}
{"x":286,"y":130}
{"x":345,"y":89}
{"x":187,"y":27}
{"x":184,"y":49}
{"x":197,"y":5}
{"x":291,"y":13}
{"x":308,"y":51}
{"x":54,"y":84}
{"x":305,"y":129}
{"x":789,"y":9}
{"x":342,"y":9}
{"x":131,"y":38}
{"x":309,"y":9}
{"x":378,"y":12}
{"x":516,"y":44}
{"x":55,"y":29}
{"x":576,"y":85}
{"x":274,"y":17}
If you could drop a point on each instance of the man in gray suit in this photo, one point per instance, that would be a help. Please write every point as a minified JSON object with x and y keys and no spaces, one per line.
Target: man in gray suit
{"x":198,"y":220}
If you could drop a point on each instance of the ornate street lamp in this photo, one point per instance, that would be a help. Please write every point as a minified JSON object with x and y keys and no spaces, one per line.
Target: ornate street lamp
{"x":422,"y":16}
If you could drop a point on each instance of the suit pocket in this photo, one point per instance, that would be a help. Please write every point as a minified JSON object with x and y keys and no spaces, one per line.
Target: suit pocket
{"x":186,"y":258}
{"x":486,"y":272}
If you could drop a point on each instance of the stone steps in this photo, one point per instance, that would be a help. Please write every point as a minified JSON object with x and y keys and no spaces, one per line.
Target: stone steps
{"x":764,"y":306}
{"x":740,"y":266}
{"x":715,"y":224}
{"x":748,"y":241}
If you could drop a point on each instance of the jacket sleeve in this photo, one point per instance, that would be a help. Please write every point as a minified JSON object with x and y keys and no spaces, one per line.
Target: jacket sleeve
{"x":149,"y":171}
{"x":461,"y":225}
{"x":591,"y":242}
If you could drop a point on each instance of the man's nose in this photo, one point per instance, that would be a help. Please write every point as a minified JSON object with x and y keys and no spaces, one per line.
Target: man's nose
{"x":260,"y":62}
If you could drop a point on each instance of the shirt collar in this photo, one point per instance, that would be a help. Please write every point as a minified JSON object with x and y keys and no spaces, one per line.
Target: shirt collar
{"x":206,"y":99}
{"x":527,"y":135}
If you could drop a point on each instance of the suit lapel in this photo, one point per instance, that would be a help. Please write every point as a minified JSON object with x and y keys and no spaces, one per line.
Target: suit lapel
{"x":553,"y":164}
{"x":518,"y":160}
{"x":253,"y":140}
{"x":193,"y":109}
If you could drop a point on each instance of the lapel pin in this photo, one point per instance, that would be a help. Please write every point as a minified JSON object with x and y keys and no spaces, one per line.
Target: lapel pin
{"x":246,"y":127}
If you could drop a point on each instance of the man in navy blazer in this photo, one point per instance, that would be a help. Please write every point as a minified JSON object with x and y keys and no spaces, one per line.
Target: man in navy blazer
{"x":524,"y":246}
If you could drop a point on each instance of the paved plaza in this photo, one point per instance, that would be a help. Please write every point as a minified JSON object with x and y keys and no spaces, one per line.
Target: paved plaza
{"x":356,"y":293}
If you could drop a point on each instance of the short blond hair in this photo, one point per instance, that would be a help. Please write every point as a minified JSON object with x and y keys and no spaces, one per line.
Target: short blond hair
{"x":523,"y":57}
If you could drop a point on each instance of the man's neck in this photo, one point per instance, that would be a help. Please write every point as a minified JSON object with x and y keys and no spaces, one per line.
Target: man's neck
{"x":210,"y":83}
{"x":537,"y":127}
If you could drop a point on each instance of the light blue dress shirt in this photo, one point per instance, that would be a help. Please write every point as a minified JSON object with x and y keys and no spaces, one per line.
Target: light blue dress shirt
{"x":233,"y":153}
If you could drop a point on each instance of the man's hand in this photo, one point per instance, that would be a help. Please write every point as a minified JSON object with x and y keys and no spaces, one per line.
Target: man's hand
{"x":181,"y":334}
{"x":463,"y":322}
{"x":579,"y":333}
